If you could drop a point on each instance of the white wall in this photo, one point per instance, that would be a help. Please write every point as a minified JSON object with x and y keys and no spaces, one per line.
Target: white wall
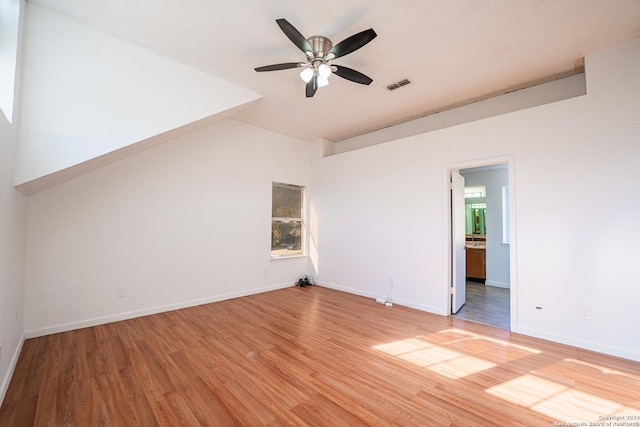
{"x":182,"y":223}
{"x":497,"y":254}
{"x":86,"y":94}
{"x":382,"y":211}
{"x":13,"y":209}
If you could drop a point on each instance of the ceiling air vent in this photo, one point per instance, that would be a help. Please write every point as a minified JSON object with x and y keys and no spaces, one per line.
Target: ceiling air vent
{"x":394,"y":86}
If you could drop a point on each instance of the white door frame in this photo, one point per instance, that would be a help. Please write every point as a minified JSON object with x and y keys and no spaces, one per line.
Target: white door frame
{"x":513,"y":291}
{"x":458,"y":245}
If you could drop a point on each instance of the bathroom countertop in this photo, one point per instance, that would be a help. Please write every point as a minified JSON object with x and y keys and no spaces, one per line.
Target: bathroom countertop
{"x":478,"y":245}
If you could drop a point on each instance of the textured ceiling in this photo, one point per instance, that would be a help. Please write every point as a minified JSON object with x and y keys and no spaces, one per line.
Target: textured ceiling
{"x":453,"y":51}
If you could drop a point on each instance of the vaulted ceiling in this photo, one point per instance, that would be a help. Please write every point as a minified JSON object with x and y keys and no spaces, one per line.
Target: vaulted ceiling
{"x":453,"y":51}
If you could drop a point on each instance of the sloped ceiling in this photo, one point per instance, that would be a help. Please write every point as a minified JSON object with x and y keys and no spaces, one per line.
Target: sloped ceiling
{"x":88,"y":98}
{"x":453,"y":51}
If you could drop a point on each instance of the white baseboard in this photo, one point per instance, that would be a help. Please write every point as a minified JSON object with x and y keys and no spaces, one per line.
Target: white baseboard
{"x":404,"y":303}
{"x":497,"y":284}
{"x":562,"y":339}
{"x":145,"y":312}
{"x":4,"y":386}
{"x":577,"y":342}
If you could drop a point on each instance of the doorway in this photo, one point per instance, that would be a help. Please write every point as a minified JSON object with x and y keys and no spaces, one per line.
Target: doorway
{"x":489,"y":289}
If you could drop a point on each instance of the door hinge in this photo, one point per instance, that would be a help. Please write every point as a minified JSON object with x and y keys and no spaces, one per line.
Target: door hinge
{"x":451,"y":290}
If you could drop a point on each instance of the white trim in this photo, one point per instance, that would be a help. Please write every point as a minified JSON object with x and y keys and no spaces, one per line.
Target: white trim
{"x":446,"y":172}
{"x":405,"y":303}
{"x":497,"y":284}
{"x":288,"y":257}
{"x":147,"y":311}
{"x":580,"y":343}
{"x":513,"y":264}
{"x":446,"y":238}
{"x":12,"y":367}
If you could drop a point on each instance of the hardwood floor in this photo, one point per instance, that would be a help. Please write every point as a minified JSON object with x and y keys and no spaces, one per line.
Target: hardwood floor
{"x":311,"y":356}
{"x":486,"y":304}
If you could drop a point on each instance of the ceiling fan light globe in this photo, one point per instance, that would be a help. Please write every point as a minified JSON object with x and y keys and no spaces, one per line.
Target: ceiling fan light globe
{"x":322,"y":81}
{"x":324,"y":71}
{"x":306,"y":75}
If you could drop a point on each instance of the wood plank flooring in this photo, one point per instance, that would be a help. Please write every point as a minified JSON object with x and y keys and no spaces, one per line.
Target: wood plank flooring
{"x":486,"y":304}
{"x":311,"y":356}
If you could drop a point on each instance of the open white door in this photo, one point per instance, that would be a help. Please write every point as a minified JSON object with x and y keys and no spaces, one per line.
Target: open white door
{"x":458,"y":256}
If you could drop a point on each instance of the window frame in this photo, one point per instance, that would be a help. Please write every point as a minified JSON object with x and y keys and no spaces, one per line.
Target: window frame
{"x":301,"y":219}
{"x":506,"y":216}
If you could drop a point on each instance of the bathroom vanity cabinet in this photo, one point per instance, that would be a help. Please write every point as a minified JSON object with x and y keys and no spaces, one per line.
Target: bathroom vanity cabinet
{"x":476,"y":261}
{"x":476,"y":257}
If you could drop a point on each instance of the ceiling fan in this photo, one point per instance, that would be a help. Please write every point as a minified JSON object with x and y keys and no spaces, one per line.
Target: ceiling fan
{"x":320,"y":52}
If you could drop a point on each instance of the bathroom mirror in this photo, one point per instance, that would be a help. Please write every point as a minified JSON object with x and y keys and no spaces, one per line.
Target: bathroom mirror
{"x":476,"y":217}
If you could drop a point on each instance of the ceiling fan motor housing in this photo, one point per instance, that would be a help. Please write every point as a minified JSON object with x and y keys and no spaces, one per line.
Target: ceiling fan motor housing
{"x":320,"y":45}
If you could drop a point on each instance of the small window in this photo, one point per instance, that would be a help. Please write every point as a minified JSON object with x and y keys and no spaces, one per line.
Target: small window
{"x":475,"y":191}
{"x":9,"y":22}
{"x":505,"y":216}
{"x":287,"y":225}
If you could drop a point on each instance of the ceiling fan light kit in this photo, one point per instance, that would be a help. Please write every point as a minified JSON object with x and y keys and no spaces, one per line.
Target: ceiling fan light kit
{"x":306,"y":75}
{"x":320,"y":51}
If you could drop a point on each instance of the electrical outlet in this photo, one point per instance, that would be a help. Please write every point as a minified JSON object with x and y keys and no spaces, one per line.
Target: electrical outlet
{"x":122,"y":291}
{"x":585,"y":313}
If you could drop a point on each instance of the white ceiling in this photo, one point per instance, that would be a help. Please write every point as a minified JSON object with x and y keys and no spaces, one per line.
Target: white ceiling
{"x":453,"y":51}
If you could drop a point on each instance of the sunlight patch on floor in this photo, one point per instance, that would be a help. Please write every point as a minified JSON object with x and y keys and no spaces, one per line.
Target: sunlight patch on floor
{"x":405,"y":346}
{"x":603,"y":369}
{"x":447,"y":352}
{"x":429,"y":356}
{"x":557,"y":401}
{"x":456,"y":354}
{"x":526,"y":390}
{"x":462,"y":367}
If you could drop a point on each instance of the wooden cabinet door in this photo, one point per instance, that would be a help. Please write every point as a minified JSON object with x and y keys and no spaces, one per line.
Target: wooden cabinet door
{"x":476,"y":263}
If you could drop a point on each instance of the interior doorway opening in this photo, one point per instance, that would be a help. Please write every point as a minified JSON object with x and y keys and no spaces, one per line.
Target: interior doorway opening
{"x":486,"y":251}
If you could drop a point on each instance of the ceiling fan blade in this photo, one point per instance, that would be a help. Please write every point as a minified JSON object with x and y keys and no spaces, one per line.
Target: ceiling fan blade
{"x":353,"y":75}
{"x":351,"y":44}
{"x":312,"y":86}
{"x":276,"y":67}
{"x":294,"y":35}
